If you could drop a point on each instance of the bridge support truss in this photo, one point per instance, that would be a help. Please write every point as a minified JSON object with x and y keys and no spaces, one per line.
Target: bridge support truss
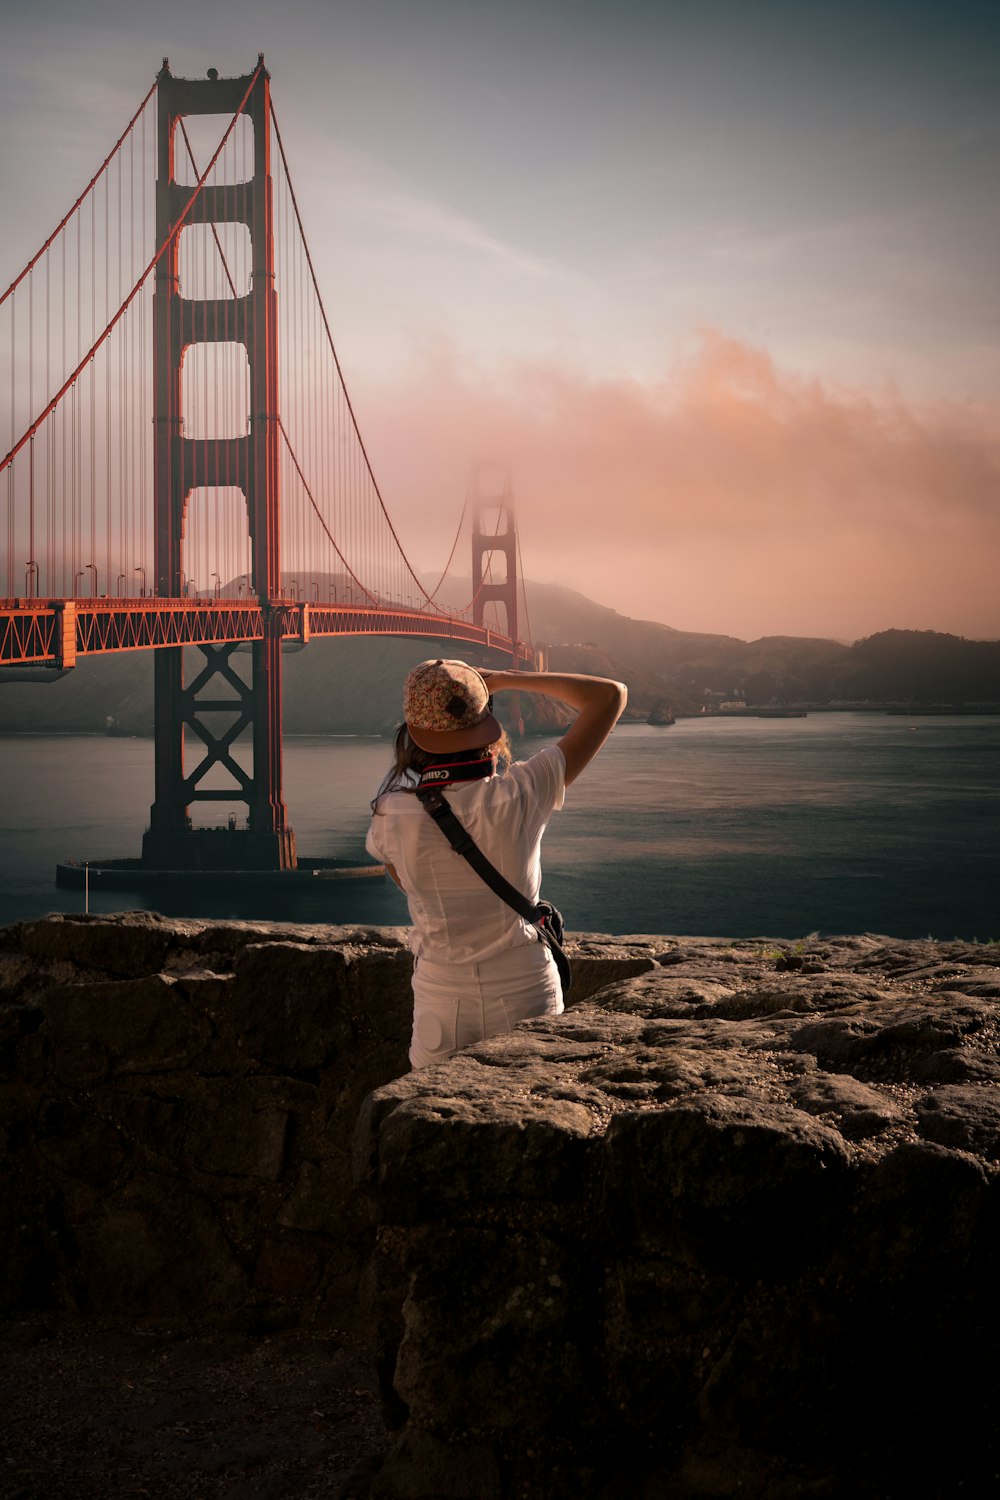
{"x":217,"y":693}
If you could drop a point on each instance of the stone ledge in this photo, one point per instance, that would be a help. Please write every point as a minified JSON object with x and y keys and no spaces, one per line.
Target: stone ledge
{"x":179,"y":1103}
{"x":728,"y":1227}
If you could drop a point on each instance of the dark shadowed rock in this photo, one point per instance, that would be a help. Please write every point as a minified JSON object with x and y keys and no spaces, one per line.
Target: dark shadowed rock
{"x":179,"y":1104}
{"x":728,"y":1226}
{"x":180,"y":1101}
{"x":758,"y":1259}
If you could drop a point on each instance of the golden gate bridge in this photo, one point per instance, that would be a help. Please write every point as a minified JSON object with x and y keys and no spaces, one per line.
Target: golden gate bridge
{"x":184,"y":467}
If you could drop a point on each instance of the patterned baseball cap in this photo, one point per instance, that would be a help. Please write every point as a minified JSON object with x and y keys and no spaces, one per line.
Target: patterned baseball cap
{"x":446,"y":705}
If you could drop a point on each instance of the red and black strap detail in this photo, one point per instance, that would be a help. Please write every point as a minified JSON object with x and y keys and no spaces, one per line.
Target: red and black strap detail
{"x":449,"y":772}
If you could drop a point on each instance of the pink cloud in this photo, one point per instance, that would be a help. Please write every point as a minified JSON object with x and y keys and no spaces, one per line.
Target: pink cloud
{"x":731,"y":496}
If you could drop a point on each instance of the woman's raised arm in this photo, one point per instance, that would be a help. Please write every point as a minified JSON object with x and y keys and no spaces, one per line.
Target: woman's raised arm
{"x":598,"y":700}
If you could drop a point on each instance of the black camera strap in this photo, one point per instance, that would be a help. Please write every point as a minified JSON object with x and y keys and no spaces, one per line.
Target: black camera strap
{"x":450,"y":772}
{"x":540,"y":916}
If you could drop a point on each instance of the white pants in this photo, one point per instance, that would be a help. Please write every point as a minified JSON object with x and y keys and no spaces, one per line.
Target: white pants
{"x":457,"y":1004}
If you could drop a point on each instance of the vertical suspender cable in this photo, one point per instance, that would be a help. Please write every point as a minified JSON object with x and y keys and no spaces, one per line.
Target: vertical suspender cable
{"x":107,"y":383}
{"x":31,"y":405}
{"x":139,"y":114}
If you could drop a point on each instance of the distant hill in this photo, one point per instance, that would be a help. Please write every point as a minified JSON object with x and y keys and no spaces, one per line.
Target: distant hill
{"x":353,"y":685}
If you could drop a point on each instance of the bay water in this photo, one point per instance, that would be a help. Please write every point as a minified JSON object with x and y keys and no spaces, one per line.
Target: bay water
{"x":834,"y":823}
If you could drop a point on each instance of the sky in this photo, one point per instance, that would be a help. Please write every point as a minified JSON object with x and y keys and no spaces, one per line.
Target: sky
{"x":714,"y":283}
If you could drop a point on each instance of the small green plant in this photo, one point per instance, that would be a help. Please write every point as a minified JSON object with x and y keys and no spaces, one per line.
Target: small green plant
{"x":789,"y":958}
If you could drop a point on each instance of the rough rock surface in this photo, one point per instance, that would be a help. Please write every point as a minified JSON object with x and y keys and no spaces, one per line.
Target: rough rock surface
{"x":179,"y":1101}
{"x":728,"y":1228}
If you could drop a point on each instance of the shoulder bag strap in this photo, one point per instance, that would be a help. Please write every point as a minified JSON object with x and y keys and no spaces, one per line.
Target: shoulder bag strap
{"x":463,"y":843}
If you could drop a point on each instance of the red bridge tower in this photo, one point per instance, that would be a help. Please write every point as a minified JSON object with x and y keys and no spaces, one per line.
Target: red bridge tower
{"x":488,"y":544}
{"x":218,"y":694}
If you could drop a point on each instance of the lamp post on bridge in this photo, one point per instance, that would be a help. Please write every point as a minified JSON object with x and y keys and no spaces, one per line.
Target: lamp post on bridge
{"x":118,"y":584}
{"x":142,"y":591}
{"x":31,"y":579}
{"x":218,"y":585}
{"x":93,"y":581}
{"x":77,"y":576}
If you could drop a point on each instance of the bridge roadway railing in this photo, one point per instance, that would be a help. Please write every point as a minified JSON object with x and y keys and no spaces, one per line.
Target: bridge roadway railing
{"x":54,"y":632}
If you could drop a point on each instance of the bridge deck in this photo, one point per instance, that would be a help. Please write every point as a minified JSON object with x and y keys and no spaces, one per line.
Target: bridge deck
{"x":54,"y":632}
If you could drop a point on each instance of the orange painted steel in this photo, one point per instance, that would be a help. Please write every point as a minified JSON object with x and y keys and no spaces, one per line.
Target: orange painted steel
{"x":53,"y":632}
{"x":167,"y":244}
{"x":32,"y":633}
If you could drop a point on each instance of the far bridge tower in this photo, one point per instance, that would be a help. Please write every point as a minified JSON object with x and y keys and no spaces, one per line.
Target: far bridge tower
{"x":494,"y":539}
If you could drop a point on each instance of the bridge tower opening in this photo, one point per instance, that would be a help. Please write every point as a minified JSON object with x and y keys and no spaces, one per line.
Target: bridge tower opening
{"x":183,"y":463}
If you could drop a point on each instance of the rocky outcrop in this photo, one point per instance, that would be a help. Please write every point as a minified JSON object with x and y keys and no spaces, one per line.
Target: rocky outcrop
{"x":179,"y":1102}
{"x":728,"y":1228}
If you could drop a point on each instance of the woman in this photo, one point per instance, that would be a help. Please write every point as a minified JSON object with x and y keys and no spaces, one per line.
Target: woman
{"x":478,"y":966}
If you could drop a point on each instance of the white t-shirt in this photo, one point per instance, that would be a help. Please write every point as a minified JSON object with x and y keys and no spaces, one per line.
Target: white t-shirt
{"x":456,"y":917}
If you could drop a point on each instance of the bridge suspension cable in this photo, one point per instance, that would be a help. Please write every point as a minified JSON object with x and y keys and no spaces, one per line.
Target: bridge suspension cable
{"x":363,"y":470}
{"x":33,"y":427}
{"x":77,"y":395}
{"x":76,"y":461}
{"x":90,"y":185}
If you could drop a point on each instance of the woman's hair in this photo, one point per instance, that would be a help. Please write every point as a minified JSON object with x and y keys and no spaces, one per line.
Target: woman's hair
{"x":409,"y":761}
